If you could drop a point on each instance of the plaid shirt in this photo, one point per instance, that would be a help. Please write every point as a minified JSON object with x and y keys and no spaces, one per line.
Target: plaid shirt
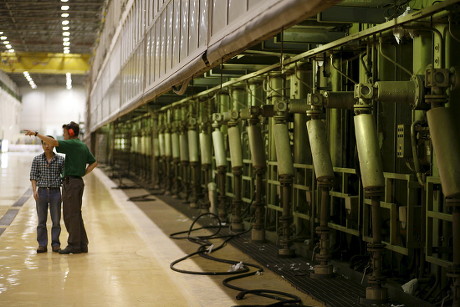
{"x":47,"y":175}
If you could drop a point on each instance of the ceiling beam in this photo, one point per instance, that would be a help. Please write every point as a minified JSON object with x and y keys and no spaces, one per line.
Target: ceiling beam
{"x":44,"y":63}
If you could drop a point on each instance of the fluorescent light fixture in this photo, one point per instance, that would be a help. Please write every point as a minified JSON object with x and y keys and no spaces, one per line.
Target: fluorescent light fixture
{"x":66,"y":48}
{"x":3,"y":38}
{"x":64,"y":0}
{"x":65,"y":22}
{"x":65,"y":15}
{"x":65,"y":39}
{"x":65,"y":33}
{"x":65,"y":28}
{"x":6,"y":42}
{"x":67,"y":51}
{"x":8,"y":46}
{"x":66,"y":43}
{"x":68,"y":82}
{"x":1,"y":32}
{"x":11,"y":50}
{"x":29,"y":78}
{"x":65,"y":7}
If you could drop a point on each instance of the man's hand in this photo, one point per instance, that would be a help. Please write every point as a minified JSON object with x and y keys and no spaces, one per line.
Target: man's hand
{"x":36,"y":194}
{"x":29,"y":132}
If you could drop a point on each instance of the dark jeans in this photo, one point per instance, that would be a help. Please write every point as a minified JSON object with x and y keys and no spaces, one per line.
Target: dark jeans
{"x":51,"y":197}
{"x":72,"y":194}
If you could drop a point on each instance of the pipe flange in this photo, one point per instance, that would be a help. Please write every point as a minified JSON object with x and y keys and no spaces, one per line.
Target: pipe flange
{"x":285,"y":218}
{"x":435,"y":99}
{"x":375,"y":247}
{"x":221,"y":169}
{"x":286,"y":179}
{"x":322,"y":229}
{"x":454,"y":271}
{"x":453,"y":202}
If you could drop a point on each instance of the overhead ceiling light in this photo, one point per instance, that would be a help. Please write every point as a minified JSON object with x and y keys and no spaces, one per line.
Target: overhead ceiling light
{"x":11,"y":50}
{"x":1,"y":32}
{"x":65,"y":28}
{"x":3,"y":38}
{"x":66,"y":43}
{"x":65,"y":7}
{"x":65,"y":33}
{"x":67,"y":51}
{"x":65,"y":39}
{"x":64,"y":0}
{"x":66,"y":48}
{"x":6,"y":42}
{"x":8,"y":46}
{"x":29,"y":79}
{"x":65,"y":15}
{"x":68,"y":82}
{"x":65,"y":22}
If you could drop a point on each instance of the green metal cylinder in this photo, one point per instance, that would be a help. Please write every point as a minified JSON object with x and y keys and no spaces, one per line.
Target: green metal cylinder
{"x":193,"y":146}
{"x":156,"y":147}
{"x":339,"y":100}
{"x":161,"y":143}
{"x":205,"y":148}
{"x":256,"y":146}
{"x":183,"y":145}
{"x":234,"y":138}
{"x":238,"y":97}
{"x":368,"y":152}
{"x":320,"y":149}
{"x":219,"y":148}
{"x":175,"y":145}
{"x":283,"y":149}
{"x":396,"y":91}
{"x":446,"y":145}
{"x":168,"y":150}
{"x":255,"y":92}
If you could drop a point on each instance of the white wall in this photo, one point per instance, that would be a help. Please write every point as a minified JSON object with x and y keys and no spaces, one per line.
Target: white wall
{"x":10,"y":112}
{"x":47,"y":108}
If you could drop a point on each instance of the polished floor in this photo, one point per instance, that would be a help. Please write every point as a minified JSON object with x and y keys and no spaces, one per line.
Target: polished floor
{"x":129,"y":254}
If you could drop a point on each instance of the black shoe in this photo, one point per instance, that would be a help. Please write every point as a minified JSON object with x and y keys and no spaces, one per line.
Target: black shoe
{"x":56,"y":249}
{"x":69,"y":250}
{"x":42,"y":249}
{"x":84,"y":248}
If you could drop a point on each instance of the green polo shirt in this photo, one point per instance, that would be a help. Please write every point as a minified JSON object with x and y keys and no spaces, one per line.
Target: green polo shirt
{"x":77,"y":156}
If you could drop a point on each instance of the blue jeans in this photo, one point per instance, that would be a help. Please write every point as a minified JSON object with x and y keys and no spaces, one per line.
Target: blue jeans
{"x":51,"y":197}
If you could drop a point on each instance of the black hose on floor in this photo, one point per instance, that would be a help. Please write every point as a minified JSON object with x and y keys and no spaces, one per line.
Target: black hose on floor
{"x":243,"y":271}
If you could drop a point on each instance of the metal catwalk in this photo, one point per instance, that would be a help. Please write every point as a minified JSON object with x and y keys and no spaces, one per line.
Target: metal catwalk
{"x":129,"y":255}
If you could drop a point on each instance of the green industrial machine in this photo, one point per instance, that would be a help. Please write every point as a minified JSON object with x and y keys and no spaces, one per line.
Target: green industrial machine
{"x":345,"y":151}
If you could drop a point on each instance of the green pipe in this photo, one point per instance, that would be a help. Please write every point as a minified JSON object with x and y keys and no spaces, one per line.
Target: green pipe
{"x":205,"y":148}
{"x":175,"y":145}
{"x":219,"y":148}
{"x":368,"y":152}
{"x":193,"y":145}
{"x":256,"y":145}
{"x":446,"y":145}
{"x":320,"y":150}
{"x":183,"y":147}
{"x":234,"y":138}
{"x":283,"y":149}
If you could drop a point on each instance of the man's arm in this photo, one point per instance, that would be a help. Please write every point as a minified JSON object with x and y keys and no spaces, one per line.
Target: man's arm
{"x":34,"y":188}
{"x":90,"y":167}
{"x":44,"y":138}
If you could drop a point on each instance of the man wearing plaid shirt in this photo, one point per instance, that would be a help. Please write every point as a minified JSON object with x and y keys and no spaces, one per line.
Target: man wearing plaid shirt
{"x":45,"y":176}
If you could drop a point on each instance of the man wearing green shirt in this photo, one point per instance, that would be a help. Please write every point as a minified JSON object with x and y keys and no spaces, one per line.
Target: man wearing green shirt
{"x":79,"y":161}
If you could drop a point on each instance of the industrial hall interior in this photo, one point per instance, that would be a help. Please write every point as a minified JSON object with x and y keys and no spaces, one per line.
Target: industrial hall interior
{"x":248,"y":152}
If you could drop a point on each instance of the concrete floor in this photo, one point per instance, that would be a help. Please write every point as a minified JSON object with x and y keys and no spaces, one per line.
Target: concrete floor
{"x":129,"y":254}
